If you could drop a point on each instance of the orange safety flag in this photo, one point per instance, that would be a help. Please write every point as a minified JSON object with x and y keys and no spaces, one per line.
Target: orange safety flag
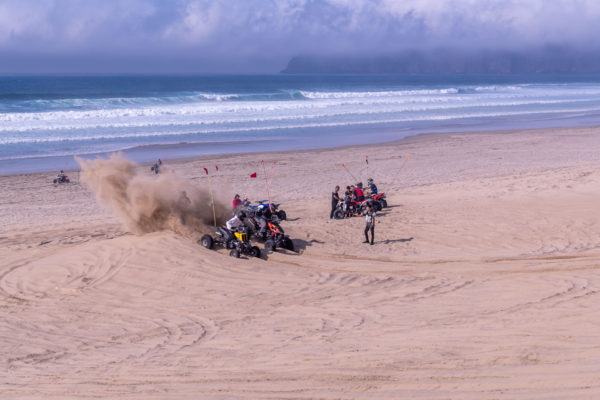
{"x":205,"y":170}
{"x":253,"y":175}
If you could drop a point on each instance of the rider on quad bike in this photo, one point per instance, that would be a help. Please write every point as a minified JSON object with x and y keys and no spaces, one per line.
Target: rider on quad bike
{"x":233,"y":236}
{"x":61,"y":177}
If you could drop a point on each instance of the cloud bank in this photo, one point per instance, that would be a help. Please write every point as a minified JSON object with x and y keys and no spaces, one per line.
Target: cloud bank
{"x":262,"y":35}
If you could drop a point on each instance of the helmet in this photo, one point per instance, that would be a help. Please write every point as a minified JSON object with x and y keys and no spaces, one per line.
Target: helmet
{"x":359,"y":185}
{"x":61,"y":171}
{"x":370,"y":180}
{"x":241,"y":215}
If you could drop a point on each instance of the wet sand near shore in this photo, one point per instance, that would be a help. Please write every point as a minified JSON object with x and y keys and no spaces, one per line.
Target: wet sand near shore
{"x":483,"y":282}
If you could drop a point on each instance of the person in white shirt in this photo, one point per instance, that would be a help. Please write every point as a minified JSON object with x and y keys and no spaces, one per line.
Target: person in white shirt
{"x":236,"y":222}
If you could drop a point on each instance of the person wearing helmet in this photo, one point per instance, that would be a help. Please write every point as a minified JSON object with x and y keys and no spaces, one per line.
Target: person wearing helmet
{"x":61,"y":176}
{"x":236,"y":222}
{"x":372,"y":186}
{"x":263,"y":215}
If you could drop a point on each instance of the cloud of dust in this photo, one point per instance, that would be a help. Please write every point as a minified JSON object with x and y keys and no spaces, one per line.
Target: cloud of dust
{"x":147,"y":202}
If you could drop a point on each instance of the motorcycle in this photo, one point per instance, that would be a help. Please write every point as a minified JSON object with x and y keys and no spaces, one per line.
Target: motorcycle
{"x":237,"y":242}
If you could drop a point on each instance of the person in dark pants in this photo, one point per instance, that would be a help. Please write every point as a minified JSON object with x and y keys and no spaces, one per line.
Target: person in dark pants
{"x":335,"y":198}
{"x":370,"y":218}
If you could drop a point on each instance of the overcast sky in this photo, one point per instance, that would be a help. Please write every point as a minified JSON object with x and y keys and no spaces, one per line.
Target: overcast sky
{"x":262,"y":35}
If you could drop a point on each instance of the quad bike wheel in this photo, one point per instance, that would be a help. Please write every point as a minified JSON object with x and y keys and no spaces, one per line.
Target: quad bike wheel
{"x":270,"y":245}
{"x":378,"y":206}
{"x":254,"y":252}
{"x":235,"y":253}
{"x":281,"y":215}
{"x":207,"y":241}
{"x":383,"y":203}
{"x":338,"y":214}
{"x":288,"y":244}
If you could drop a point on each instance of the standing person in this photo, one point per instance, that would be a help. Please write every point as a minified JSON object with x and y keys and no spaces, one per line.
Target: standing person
{"x":335,"y":198}
{"x":370,"y":218}
{"x":236,"y":204}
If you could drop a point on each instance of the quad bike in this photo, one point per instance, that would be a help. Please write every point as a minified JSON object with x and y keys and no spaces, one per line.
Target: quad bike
{"x":273,"y":236}
{"x":380,"y":200}
{"x":237,"y":242}
{"x":276,"y":237}
{"x":262,"y":205}
{"x":61,"y":179}
{"x":350,"y":208}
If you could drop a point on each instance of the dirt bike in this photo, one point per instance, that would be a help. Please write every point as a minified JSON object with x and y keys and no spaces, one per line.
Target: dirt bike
{"x":237,"y":242}
{"x":61,"y":179}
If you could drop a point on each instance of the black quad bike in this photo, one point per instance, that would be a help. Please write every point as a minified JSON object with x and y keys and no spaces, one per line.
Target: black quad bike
{"x":237,"y":242}
{"x":276,"y":237}
{"x":273,"y":236}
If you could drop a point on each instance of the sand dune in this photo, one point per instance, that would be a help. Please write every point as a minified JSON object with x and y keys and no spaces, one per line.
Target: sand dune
{"x":483,"y":282}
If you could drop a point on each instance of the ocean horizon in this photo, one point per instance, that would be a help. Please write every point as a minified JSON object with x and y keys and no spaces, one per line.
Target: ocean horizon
{"x":47,"y":120}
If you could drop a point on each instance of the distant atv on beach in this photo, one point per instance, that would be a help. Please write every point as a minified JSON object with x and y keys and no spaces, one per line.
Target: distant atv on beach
{"x":62,"y":179}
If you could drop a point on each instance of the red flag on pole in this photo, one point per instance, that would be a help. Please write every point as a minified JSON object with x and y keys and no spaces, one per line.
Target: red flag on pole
{"x":205,"y":170}
{"x":253,"y":175}
{"x":217,"y":167}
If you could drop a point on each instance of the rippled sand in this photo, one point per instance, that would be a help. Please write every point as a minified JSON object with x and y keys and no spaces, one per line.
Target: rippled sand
{"x":483,"y":282}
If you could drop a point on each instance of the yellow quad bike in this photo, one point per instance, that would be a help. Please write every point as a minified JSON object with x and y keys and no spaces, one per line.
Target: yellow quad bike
{"x":238,"y":243}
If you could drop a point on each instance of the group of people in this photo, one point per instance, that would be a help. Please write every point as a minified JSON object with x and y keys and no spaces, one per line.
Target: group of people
{"x":357,"y":193}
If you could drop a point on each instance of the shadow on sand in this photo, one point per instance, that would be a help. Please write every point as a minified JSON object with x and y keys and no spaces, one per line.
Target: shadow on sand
{"x":396,"y":240}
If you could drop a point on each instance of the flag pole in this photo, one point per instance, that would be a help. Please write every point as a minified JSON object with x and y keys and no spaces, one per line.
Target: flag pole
{"x":212,"y":199}
{"x":347,"y":170}
{"x":397,"y":173}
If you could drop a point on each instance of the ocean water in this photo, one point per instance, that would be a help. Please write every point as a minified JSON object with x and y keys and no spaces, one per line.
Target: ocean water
{"x":45,"y":121}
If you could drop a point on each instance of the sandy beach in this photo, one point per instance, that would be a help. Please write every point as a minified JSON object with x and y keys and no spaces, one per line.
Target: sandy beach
{"x":483,"y":281}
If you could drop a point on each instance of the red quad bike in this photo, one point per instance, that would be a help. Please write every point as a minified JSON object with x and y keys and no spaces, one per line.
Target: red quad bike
{"x":62,"y":179}
{"x":380,"y":201}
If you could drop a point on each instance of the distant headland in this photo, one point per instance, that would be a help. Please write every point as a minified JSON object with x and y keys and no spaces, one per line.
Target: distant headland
{"x":550,"y":59}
